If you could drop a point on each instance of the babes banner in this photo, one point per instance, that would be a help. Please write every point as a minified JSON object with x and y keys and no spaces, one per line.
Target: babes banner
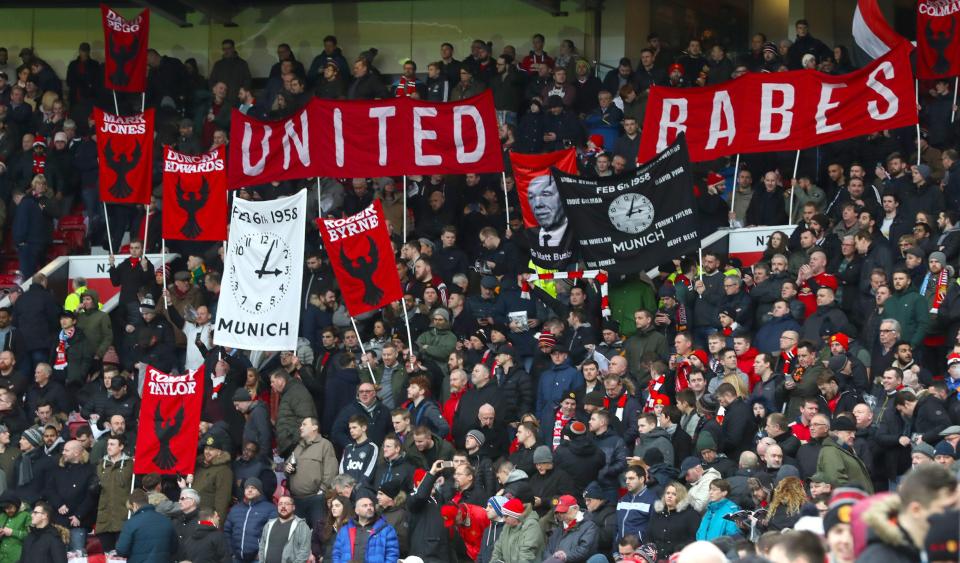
{"x":782,"y":111}
{"x":364,"y":138}
{"x":125,"y":43}
{"x":125,"y":154}
{"x":169,"y":422}
{"x":194,"y":195}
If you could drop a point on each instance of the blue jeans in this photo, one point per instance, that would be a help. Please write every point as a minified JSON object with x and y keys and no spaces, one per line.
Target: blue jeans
{"x":78,"y":539}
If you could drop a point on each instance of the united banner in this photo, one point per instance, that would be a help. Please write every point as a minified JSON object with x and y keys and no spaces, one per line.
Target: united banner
{"x":630,"y":223}
{"x":259,"y":305}
{"x":125,"y":44}
{"x":125,"y":153}
{"x":543,"y":215}
{"x":362,"y":259}
{"x":760,"y":112}
{"x":169,"y":422}
{"x":194,"y":195}
{"x":364,"y":138}
{"x":938,"y":46}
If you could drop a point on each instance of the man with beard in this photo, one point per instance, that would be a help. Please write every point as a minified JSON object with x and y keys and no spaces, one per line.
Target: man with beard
{"x":646,"y":339}
{"x":904,"y":361}
{"x":286,"y":537}
{"x":10,"y":377}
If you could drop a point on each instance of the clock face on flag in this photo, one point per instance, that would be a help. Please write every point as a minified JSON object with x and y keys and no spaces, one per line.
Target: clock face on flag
{"x":259,"y":271}
{"x":631,"y":213}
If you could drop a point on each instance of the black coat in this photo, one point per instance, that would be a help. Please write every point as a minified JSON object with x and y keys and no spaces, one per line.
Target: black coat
{"x":130,"y":279}
{"x":36,"y":314}
{"x":766,"y":208}
{"x":807,"y":457}
{"x":206,"y":545}
{"x":671,"y":530}
{"x":547,"y":487}
{"x":929,"y":418}
{"x":466,"y":416}
{"x":427,"y":530}
{"x":739,"y":426}
{"x":581,"y":458}
{"x":44,"y":544}
{"x":71,"y":485}
{"x":518,"y":394}
{"x":606,"y":520}
{"x":789,"y":443}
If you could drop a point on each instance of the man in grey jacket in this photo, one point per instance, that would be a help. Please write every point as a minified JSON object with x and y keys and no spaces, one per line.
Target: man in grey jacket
{"x":286,"y":535}
{"x":575,"y":539}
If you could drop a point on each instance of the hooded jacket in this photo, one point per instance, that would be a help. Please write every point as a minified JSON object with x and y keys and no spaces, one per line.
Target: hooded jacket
{"x":910,"y":309}
{"x":581,"y":458}
{"x":887,"y":541}
{"x":842,"y":466}
{"x":114,"y":478}
{"x":670,"y":530}
{"x":297,"y":548}
{"x":714,"y":525}
{"x":214,"y":483}
{"x":295,"y":405}
{"x":244,"y":525}
{"x":658,"y":438}
{"x":148,"y":537}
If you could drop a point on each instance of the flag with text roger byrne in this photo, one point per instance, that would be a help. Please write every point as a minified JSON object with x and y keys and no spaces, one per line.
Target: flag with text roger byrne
{"x":362,"y":259}
{"x":169,"y":422}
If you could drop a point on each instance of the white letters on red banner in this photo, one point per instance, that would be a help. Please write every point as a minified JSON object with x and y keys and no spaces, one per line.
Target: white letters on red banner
{"x":781,"y":111}
{"x":336,"y":138}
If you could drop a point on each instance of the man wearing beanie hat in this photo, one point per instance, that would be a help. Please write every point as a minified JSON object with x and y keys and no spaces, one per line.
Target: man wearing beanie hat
{"x":438,"y":342}
{"x":494,"y":511}
{"x":32,"y":468}
{"x":549,"y":481}
{"x":556,"y":382}
{"x":245,"y":521}
{"x":943,"y":539}
{"x":839,"y":531}
{"x":427,"y":529}
{"x":391,"y":503}
{"x":522,"y":538}
{"x":837,"y":461}
{"x":578,"y":455}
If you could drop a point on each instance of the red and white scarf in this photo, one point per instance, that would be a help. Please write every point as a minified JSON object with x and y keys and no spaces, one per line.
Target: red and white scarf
{"x":621,"y":402}
{"x":559,"y":423}
{"x":60,"y":362}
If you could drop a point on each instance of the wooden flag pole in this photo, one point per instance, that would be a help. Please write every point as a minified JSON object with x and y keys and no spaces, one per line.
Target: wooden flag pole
{"x":363,"y":350}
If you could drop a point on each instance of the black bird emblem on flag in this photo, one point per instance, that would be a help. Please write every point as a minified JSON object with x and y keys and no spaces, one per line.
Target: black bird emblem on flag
{"x":121,"y":165}
{"x":166,"y":431}
{"x":192,"y":203}
{"x":363,"y":268}
{"x":121,"y":57}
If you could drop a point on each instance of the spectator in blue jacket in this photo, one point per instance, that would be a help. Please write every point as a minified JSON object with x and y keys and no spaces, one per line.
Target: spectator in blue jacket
{"x":605,"y":120}
{"x":555,"y":382}
{"x":714,"y":525}
{"x":636,"y":506}
{"x":148,"y":536}
{"x":367,"y":538}
{"x":246,"y":520}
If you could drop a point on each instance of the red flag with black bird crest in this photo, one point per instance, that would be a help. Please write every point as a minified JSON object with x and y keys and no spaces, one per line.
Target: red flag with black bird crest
{"x":194,"y":195}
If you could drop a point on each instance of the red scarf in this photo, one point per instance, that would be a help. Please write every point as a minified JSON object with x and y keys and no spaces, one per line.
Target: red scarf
{"x":39,"y":163}
{"x":559,"y":423}
{"x":60,"y":362}
{"x":621,"y":402}
{"x":134,"y":261}
{"x":683,"y":373}
{"x":653,"y":391}
{"x":788,"y":358}
{"x":941,"y":291}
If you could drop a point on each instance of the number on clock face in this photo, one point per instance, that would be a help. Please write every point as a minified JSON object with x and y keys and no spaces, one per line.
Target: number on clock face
{"x":260,"y":271}
{"x":631,"y":213}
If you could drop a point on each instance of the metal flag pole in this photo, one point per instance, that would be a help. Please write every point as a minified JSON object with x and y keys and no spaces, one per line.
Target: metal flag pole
{"x":163,"y":269}
{"x":319,"y":206}
{"x":736,"y":176}
{"x":406,"y":321}
{"x":106,"y":219}
{"x":506,"y":197}
{"x":363,"y":350}
{"x":793,"y":184}
{"x":143,"y":102}
{"x":404,"y":210}
{"x":700,"y":265}
{"x":953,"y":108}
{"x":146,"y":227}
{"x":917,"y":93}
{"x":116,"y":106}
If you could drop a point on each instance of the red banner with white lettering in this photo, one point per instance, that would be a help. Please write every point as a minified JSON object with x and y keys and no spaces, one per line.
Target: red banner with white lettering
{"x":169,"y":422}
{"x":938,"y":46}
{"x":125,"y":154}
{"x":125,"y":46}
{"x":364,"y":138}
{"x":195,"y":195}
{"x":761,"y":112}
{"x":362,"y":259}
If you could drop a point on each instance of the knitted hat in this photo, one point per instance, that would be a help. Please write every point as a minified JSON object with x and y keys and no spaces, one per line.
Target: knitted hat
{"x":34,"y":435}
{"x":39,"y":141}
{"x":844,"y":423}
{"x":838,"y":514}
{"x":709,"y":403}
{"x":953,"y":358}
{"x":547,"y":338}
{"x":770,"y":47}
{"x":496,"y":503}
{"x":841,"y":339}
{"x":821,"y":477}
{"x":148,"y":305}
{"x":943,"y":447}
{"x":391,"y":488}
{"x":488,"y":282}
{"x":943,"y":540}
{"x":594,"y":398}
{"x":542,"y":455}
{"x":652,"y":456}
{"x":255,"y":483}
{"x":923,"y":448}
{"x":241,"y":395}
{"x":597,"y":140}
{"x":841,"y":495}
{"x":513,"y":507}
{"x":593,"y":491}
{"x":478,"y":436}
{"x":837,"y":363}
{"x":916,"y":251}
{"x":675,"y":66}
{"x":481,"y":334}
{"x":667,"y":290}
{"x":706,"y":442}
{"x":441,"y":312}
{"x":702,"y":356}
{"x":925,"y":171}
{"x":939,"y":257}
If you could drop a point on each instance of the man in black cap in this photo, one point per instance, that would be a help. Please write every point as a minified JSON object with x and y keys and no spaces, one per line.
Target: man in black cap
{"x":72,"y":354}
{"x":611,"y":343}
{"x":244,"y":524}
{"x":257,"y":427}
{"x":84,"y":76}
{"x":603,"y":512}
{"x":515,"y":382}
{"x":391,"y":506}
{"x":837,"y":460}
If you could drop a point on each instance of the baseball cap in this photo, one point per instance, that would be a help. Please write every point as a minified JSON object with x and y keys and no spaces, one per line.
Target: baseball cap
{"x":563,"y":504}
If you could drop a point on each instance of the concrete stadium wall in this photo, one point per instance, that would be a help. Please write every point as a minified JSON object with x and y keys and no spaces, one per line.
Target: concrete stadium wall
{"x":400,"y":30}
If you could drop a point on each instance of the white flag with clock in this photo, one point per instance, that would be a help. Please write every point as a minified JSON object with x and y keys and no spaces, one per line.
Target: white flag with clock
{"x":263,"y":270}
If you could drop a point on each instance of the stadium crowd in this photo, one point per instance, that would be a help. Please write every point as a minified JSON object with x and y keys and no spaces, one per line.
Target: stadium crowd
{"x":801,"y":409}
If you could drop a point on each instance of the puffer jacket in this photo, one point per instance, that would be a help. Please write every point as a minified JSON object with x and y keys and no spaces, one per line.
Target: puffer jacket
{"x":670,"y":530}
{"x":244,"y":525}
{"x":520,"y":544}
{"x":578,"y":542}
{"x":11,"y":546}
{"x":713,"y":525}
{"x":383,"y":544}
{"x":148,"y":537}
